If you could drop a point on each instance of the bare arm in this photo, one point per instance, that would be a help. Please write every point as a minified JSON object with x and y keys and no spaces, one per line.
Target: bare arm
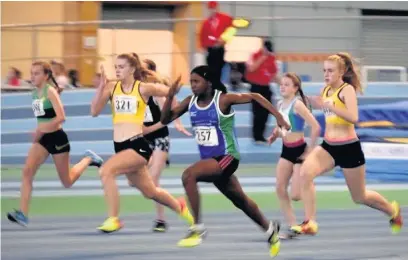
{"x":102,"y":94}
{"x":314,"y":100}
{"x":305,"y":113}
{"x":100,"y":99}
{"x":168,"y":114}
{"x":153,"y":89}
{"x":350,"y":99}
{"x":177,"y":122}
{"x":232,"y":99}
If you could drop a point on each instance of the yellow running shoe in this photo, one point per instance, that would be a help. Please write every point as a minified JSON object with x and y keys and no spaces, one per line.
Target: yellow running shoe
{"x":274,"y":240}
{"x":193,"y":238}
{"x":185,"y":212}
{"x":110,"y":225}
{"x":396,"y":220}
{"x":308,"y":227}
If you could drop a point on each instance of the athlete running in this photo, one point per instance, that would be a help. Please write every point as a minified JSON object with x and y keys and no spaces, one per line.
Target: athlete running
{"x":128,"y":99}
{"x":49,"y":138}
{"x":212,"y":119}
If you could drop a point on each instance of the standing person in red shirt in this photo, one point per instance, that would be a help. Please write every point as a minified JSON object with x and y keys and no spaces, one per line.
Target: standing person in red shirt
{"x":261,"y":69}
{"x":212,"y":38}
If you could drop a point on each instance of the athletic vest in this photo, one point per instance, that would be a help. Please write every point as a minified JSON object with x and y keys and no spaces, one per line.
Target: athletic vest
{"x":214,"y":131}
{"x":296,"y":122}
{"x":127,"y":108}
{"x":42,"y":106}
{"x":330,"y":117}
{"x":152,"y":116}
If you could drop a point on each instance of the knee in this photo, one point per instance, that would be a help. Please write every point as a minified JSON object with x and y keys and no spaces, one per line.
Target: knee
{"x":307,"y":173}
{"x":104,"y":173}
{"x":187,"y":177}
{"x":28,"y":174}
{"x":358,"y":198}
{"x":295,"y":196}
{"x":281,"y":192}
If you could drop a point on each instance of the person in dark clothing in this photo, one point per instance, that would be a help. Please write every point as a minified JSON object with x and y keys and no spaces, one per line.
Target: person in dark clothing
{"x":261,"y":69}
{"x":213,"y":36}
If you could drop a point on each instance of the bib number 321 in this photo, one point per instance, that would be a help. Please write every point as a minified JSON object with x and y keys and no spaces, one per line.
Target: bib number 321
{"x":125,"y":105}
{"x":206,"y":136}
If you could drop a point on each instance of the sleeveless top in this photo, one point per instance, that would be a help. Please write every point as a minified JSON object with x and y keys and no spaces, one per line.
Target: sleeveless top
{"x":296,"y":122}
{"x":214,"y":131}
{"x":152,"y":116}
{"x":127,"y":108}
{"x":330,"y":117}
{"x":42,"y":106}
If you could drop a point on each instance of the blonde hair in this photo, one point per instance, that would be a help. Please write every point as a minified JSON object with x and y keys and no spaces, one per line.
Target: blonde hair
{"x":351,"y":70}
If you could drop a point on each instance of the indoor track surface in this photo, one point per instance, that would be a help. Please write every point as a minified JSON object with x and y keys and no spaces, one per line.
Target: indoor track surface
{"x":360,"y":234}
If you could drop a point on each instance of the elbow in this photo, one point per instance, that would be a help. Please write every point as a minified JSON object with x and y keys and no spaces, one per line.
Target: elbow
{"x":316,"y":129}
{"x":354,"y":120}
{"x":164,"y":121}
{"x":61,"y":119}
{"x":255,"y":96}
{"x":94,"y":113}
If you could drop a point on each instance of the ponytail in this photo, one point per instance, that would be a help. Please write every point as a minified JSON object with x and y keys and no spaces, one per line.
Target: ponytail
{"x":219,"y":86}
{"x":59,"y":90}
{"x":351,"y":71}
{"x":305,"y":99}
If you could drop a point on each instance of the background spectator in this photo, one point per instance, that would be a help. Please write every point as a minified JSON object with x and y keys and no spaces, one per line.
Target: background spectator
{"x":14,"y":77}
{"x":261,"y":70}
{"x":210,"y":38}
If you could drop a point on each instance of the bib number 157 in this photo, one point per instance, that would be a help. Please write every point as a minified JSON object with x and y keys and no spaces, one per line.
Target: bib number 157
{"x":206,"y":136}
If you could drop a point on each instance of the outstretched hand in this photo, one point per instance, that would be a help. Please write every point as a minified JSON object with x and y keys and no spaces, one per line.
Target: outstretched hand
{"x":103,"y":82}
{"x":175,"y":87}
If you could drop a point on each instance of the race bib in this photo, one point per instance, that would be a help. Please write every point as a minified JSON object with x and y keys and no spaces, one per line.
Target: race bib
{"x":327,"y":111}
{"x":125,"y":104}
{"x":206,"y":135}
{"x":286,"y":117}
{"x":148,"y":115}
{"x":38,"y":107}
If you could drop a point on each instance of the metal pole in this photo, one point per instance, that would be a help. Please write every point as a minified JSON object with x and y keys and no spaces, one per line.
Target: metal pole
{"x":34,"y":44}
{"x":192,"y":41}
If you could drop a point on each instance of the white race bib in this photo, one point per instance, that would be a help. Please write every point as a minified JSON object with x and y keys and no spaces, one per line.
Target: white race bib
{"x":206,"y":135}
{"x":125,"y":105}
{"x":38,"y":107}
{"x":327,"y":111}
{"x":148,"y":115}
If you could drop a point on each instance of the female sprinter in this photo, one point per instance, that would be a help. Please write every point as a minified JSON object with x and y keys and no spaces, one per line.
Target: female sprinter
{"x":341,"y":146}
{"x":129,"y":98}
{"x":213,"y":121}
{"x":49,"y":138}
{"x":158,"y":140}
{"x":294,"y":148}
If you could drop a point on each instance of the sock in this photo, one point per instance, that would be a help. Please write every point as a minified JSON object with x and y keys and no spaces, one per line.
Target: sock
{"x":270,"y":229}
{"x":199,"y":227}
